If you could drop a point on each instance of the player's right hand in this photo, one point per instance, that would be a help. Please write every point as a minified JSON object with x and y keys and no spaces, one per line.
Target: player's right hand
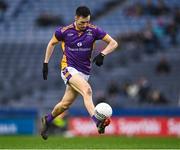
{"x":45,"y":71}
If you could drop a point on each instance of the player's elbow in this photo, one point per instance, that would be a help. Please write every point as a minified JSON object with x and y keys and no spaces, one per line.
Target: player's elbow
{"x":115,"y":44}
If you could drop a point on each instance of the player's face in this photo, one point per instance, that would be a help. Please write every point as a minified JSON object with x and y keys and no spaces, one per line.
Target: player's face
{"x":82,"y":22}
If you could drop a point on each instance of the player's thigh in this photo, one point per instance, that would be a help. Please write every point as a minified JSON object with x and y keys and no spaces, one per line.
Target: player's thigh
{"x":80,"y":84}
{"x":69,"y":95}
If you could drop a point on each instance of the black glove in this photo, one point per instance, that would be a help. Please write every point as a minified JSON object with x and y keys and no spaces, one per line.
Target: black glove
{"x":98,"y":60}
{"x":45,"y":71}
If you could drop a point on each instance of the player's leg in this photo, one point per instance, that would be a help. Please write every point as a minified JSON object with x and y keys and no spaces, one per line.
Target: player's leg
{"x":83,"y":87}
{"x":68,"y":98}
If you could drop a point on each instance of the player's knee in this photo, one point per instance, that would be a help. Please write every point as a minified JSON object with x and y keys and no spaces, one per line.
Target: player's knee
{"x":88,"y":91}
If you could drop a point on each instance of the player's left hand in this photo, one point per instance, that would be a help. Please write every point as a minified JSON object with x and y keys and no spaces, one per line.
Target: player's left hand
{"x":45,"y":71}
{"x":98,"y":60}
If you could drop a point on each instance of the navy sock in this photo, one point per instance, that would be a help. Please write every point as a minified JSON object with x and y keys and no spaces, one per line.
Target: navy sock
{"x":49,"y":118}
{"x":95,"y":120}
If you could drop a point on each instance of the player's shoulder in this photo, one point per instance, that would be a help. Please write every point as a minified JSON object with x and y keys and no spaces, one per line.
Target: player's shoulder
{"x":65,"y":28}
{"x":92,"y":26}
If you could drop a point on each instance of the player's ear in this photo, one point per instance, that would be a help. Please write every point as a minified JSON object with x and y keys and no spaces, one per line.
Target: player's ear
{"x":76,"y":18}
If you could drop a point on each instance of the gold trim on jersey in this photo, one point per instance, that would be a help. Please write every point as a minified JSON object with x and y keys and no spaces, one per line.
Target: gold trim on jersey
{"x":67,"y":27}
{"x":63,"y":46}
{"x":63,"y":63}
{"x":104,"y":38}
{"x":55,"y":39}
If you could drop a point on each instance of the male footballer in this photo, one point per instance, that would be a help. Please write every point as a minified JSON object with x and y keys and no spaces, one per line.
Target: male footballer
{"x":77,"y":40}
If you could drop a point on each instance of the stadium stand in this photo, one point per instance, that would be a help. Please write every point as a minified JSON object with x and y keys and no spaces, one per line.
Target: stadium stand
{"x":23,"y":43}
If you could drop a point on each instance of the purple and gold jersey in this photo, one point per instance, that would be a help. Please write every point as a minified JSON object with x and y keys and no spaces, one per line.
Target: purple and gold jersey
{"x":77,"y":46}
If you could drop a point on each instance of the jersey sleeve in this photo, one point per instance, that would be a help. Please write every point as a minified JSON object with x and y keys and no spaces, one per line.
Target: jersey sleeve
{"x":58,"y":34}
{"x":100,"y":34}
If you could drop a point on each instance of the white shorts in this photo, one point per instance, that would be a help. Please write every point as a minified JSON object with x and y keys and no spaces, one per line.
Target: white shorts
{"x":68,"y":72}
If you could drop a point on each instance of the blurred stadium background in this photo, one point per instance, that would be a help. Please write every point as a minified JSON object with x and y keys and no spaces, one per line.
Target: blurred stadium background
{"x":140,"y":80}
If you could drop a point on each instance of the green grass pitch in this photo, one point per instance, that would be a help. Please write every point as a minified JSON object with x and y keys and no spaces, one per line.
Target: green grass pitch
{"x":96,"y":142}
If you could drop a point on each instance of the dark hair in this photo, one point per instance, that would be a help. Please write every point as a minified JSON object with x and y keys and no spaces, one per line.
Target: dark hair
{"x":83,"y":11}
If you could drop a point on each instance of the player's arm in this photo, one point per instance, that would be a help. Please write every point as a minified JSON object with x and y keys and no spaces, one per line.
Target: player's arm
{"x":112,"y":44}
{"x":49,"y":51}
{"x":50,"y":48}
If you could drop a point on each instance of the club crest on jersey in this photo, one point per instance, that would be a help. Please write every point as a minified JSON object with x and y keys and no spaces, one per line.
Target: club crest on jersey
{"x":79,"y":44}
{"x":70,"y":34}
